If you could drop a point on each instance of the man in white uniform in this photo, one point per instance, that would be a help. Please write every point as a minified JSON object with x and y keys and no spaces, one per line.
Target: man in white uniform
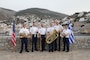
{"x":33,"y":36}
{"x":49,"y":31}
{"x":24,"y":37}
{"x":42,"y":33}
{"x":59,"y":29}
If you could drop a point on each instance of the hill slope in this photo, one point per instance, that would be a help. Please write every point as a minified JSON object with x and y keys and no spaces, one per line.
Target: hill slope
{"x":41,"y":13}
{"x":6,"y":13}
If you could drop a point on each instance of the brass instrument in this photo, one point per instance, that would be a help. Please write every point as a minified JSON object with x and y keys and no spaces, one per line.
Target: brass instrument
{"x":52,"y":37}
{"x":40,"y":44}
{"x":24,"y":34}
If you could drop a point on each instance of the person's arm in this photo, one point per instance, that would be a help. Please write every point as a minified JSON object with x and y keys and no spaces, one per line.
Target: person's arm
{"x":30,"y":35}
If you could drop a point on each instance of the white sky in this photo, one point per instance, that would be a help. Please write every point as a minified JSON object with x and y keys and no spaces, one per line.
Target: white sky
{"x":62,"y":6}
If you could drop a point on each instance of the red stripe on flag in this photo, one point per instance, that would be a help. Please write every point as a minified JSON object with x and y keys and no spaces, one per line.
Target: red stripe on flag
{"x":14,"y":39}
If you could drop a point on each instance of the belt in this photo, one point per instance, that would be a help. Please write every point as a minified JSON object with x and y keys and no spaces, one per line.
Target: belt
{"x":42,"y":34}
{"x":35,"y":35}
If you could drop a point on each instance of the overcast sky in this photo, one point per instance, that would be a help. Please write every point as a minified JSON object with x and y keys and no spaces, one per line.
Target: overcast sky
{"x":62,"y":6}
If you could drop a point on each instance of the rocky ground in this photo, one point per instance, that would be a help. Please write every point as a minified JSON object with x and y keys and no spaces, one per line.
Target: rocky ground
{"x":79,"y":54}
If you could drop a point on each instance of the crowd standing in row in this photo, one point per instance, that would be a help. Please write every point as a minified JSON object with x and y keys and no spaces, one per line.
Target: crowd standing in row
{"x":43,"y":32}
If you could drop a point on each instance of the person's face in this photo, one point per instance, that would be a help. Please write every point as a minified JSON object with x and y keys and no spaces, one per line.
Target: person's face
{"x":24,"y":25}
{"x":66,"y":27}
{"x":51,"y":24}
{"x":56,"y":22}
{"x":34,"y":24}
{"x":42,"y":25}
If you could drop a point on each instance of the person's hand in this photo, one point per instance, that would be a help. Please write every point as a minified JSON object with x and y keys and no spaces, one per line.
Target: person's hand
{"x":40,"y":38}
{"x":30,"y":37}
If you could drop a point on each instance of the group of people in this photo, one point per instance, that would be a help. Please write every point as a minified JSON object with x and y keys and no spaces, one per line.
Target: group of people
{"x":43,"y":32}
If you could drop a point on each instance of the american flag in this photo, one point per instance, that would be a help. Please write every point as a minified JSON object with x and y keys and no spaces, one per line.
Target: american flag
{"x":13,"y":34}
{"x":71,"y":38}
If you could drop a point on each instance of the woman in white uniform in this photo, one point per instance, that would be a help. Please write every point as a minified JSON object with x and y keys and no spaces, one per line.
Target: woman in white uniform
{"x":66,"y":34}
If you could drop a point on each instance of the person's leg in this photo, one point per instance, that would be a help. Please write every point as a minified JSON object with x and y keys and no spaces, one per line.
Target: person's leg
{"x":26,"y":45}
{"x":22,"y":44}
{"x":35,"y":42}
{"x":49,"y":47}
{"x":43,"y":42}
{"x":64,"y":43}
{"x":55,"y":45}
{"x":59,"y":45}
{"x":32,"y":43}
{"x":67,"y":44}
{"x":52,"y":46}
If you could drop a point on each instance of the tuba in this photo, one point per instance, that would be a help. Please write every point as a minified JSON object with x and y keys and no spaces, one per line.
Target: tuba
{"x":51,"y":38}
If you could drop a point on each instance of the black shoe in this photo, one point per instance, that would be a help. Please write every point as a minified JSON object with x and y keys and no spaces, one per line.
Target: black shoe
{"x":36,"y":49}
{"x":20,"y":52}
{"x":27,"y":51}
{"x":55,"y":50}
{"x":44,"y":49}
{"x":41,"y":50}
{"x":58,"y":49}
{"x":32,"y":50}
{"x":63,"y":50}
{"x":67,"y":51}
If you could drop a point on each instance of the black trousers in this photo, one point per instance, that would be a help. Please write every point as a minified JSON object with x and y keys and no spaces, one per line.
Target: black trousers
{"x":59,"y":43}
{"x":51,"y":46}
{"x":24,"y":41}
{"x":43,"y":42}
{"x":55,"y":45}
{"x":34,"y":42}
{"x":66,"y":43}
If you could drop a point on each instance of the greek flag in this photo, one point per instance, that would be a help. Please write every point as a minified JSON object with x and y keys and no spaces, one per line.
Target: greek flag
{"x":71,"y":38}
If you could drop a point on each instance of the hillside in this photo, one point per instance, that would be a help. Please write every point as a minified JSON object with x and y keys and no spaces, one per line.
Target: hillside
{"x":6,"y":13}
{"x":43,"y":13}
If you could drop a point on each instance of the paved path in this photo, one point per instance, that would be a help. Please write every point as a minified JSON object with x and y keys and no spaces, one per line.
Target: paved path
{"x":80,"y":54}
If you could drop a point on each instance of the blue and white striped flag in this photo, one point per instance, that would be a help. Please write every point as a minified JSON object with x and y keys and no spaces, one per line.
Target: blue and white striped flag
{"x":71,"y":38}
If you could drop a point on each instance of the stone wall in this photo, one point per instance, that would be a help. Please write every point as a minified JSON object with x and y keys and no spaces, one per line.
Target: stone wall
{"x":80,"y":42}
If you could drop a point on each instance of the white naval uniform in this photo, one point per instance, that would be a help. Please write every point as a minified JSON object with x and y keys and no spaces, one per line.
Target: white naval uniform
{"x":66,"y":39}
{"x":24,"y":30}
{"x":42,"y":31}
{"x":24,"y":40}
{"x":58,"y":28}
{"x":50,"y":29}
{"x":66,"y":32}
{"x":33,"y":30}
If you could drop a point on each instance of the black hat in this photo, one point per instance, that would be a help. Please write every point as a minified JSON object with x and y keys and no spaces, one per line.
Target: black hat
{"x":65,"y":24}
